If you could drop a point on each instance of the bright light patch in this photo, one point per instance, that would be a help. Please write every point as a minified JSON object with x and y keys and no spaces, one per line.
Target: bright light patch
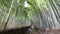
{"x":26,"y":4}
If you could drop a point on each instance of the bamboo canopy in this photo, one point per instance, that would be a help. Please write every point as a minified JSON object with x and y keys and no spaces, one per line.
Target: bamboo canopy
{"x":19,"y":13}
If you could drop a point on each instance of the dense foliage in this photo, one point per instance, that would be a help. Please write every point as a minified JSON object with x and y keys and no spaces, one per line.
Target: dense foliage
{"x":19,"y":13}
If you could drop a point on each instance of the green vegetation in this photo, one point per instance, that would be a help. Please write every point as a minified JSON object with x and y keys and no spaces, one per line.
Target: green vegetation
{"x":17,"y":11}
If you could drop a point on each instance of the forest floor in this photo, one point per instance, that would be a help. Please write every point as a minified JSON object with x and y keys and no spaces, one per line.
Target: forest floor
{"x":46,"y":32}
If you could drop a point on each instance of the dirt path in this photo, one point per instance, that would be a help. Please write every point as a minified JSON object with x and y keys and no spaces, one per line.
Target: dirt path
{"x":47,"y":32}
